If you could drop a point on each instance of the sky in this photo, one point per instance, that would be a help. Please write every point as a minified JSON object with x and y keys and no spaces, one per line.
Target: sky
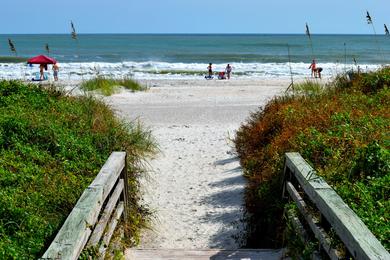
{"x":193,"y":16}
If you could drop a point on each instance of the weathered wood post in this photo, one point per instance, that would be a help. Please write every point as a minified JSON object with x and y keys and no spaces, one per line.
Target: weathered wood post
{"x":125,"y":198}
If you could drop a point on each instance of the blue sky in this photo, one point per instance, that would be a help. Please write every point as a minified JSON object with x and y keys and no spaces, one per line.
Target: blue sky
{"x":192,"y":16}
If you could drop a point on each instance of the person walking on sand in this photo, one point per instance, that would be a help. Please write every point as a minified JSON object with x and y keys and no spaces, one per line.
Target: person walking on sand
{"x":228,"y":70}
{"x":313,"y":69}
{"x":210,"y":69}
{"x":55,"y":71}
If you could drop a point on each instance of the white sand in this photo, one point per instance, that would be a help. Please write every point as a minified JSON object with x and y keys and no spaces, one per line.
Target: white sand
{"x":196,"y":185}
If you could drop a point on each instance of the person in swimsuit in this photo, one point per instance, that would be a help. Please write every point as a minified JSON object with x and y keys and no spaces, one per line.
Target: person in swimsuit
{"x":319,"y":70}
{"x":228,"y":70}
{"x":210,"y":69}
{"x":55,"y":71}
{"x":41,"y":75}
{"x":313,"y":69}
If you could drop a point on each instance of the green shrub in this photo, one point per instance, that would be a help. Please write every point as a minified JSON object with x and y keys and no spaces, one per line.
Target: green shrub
{"x":51,"y":148}
{"x":341,"y":130}
{"x":365,"y":82}
{"x":372,"y":161}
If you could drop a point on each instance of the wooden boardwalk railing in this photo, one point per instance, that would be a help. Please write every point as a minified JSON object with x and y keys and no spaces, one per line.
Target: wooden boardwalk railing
{"x":95,"y":216}
{"x":306,"y":188}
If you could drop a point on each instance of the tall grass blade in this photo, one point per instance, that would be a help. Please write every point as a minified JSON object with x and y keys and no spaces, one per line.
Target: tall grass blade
{"x":370,"y":21}
{"x":289,"y":64}
{"x":12,"y":47}
{"x":308,"y":31}
{"x":47,"y":48}
{"x":73,"y":33}
{"x":345,"y":56}
{"x":311,"y":42}
{"x":368,"y":17}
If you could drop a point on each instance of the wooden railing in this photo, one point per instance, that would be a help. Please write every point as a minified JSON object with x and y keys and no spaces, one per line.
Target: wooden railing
{"x":325,"y":212}
{"x":95,"y":216}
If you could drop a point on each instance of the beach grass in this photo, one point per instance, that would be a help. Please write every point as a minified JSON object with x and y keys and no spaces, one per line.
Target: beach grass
{"x":342,"y":130}
{"x":308,"y":88}
{"x":108,"y":86}
{"x":12,"y":59}
{"x":51,"y":148}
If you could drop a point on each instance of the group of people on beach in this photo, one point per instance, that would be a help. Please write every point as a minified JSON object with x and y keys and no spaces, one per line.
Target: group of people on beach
{"x":43,"y":67}
{"x":221,"y":75}
{"x":315,"y":71}
{"x":226,"y":74}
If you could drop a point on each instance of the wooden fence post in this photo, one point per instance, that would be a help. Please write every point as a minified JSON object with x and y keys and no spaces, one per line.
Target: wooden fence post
{"x":125,"y":198}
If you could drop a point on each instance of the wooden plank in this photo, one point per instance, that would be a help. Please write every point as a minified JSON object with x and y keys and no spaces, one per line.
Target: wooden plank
{"x":74,"y":233}
{"x":110,"y":229}
{"x":105,"y":217}
{"x":319,"y":233}
{"x":361,"y":243}
{"x":204,"y":254}
{"x":110,"y":172}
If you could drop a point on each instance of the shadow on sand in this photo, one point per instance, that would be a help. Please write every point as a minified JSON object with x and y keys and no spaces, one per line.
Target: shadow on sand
{"x":227,"y":203}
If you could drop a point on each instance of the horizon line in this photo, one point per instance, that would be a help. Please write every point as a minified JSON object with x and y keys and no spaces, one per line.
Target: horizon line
{"x":121,"y":33}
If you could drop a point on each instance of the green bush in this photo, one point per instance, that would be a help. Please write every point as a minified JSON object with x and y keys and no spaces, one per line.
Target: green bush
{"x":108,"y":86}
{"x":342,"y":130}
{"x":51,"y":148}
{"x":365,"y":82}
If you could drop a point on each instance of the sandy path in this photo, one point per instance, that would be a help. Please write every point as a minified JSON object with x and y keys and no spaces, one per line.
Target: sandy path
{"x":196,"y":187}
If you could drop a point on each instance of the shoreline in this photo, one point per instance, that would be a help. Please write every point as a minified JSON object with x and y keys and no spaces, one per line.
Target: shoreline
{"x":176,"y":71}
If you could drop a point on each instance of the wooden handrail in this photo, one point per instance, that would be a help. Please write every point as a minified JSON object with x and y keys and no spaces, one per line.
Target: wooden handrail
{"x":357,"y":238}
{"x":88,"y":220}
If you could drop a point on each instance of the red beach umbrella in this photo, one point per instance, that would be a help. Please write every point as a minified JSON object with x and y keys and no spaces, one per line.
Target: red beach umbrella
{"x":41,"y":59}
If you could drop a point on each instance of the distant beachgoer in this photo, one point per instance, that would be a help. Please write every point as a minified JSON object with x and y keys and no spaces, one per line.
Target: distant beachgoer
{"x":319,"y":70}
{"x":41,"y":67}
{"x":55,"y":71}
{"x":210,"y":69}
{"x":228,"y":71}
{"x":221,"y":75}
{"x":313,"y":69}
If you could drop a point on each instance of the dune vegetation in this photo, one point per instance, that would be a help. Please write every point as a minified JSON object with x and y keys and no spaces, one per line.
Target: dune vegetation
{"x":108,"y":86}
{"x":342,"y":130}
{"x":51,"y":148}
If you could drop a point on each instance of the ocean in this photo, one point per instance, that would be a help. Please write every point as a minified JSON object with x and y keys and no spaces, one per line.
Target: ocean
{"x":173,"y":56}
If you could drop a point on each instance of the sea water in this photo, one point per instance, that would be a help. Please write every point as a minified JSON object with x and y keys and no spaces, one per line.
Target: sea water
{"x":187,"y":55}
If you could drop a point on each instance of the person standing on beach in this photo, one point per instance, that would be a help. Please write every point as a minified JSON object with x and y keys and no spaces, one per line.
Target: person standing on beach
{"x":319,"y":70}
{"x":313,"y":69}
{"x":210,"y":69}
{"x":55,"y":71}
{"x":41,"y":67}
{"x":228,"y":70}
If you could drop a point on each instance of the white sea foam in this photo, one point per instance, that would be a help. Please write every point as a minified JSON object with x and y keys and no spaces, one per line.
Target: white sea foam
{"x":165,"y":70}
